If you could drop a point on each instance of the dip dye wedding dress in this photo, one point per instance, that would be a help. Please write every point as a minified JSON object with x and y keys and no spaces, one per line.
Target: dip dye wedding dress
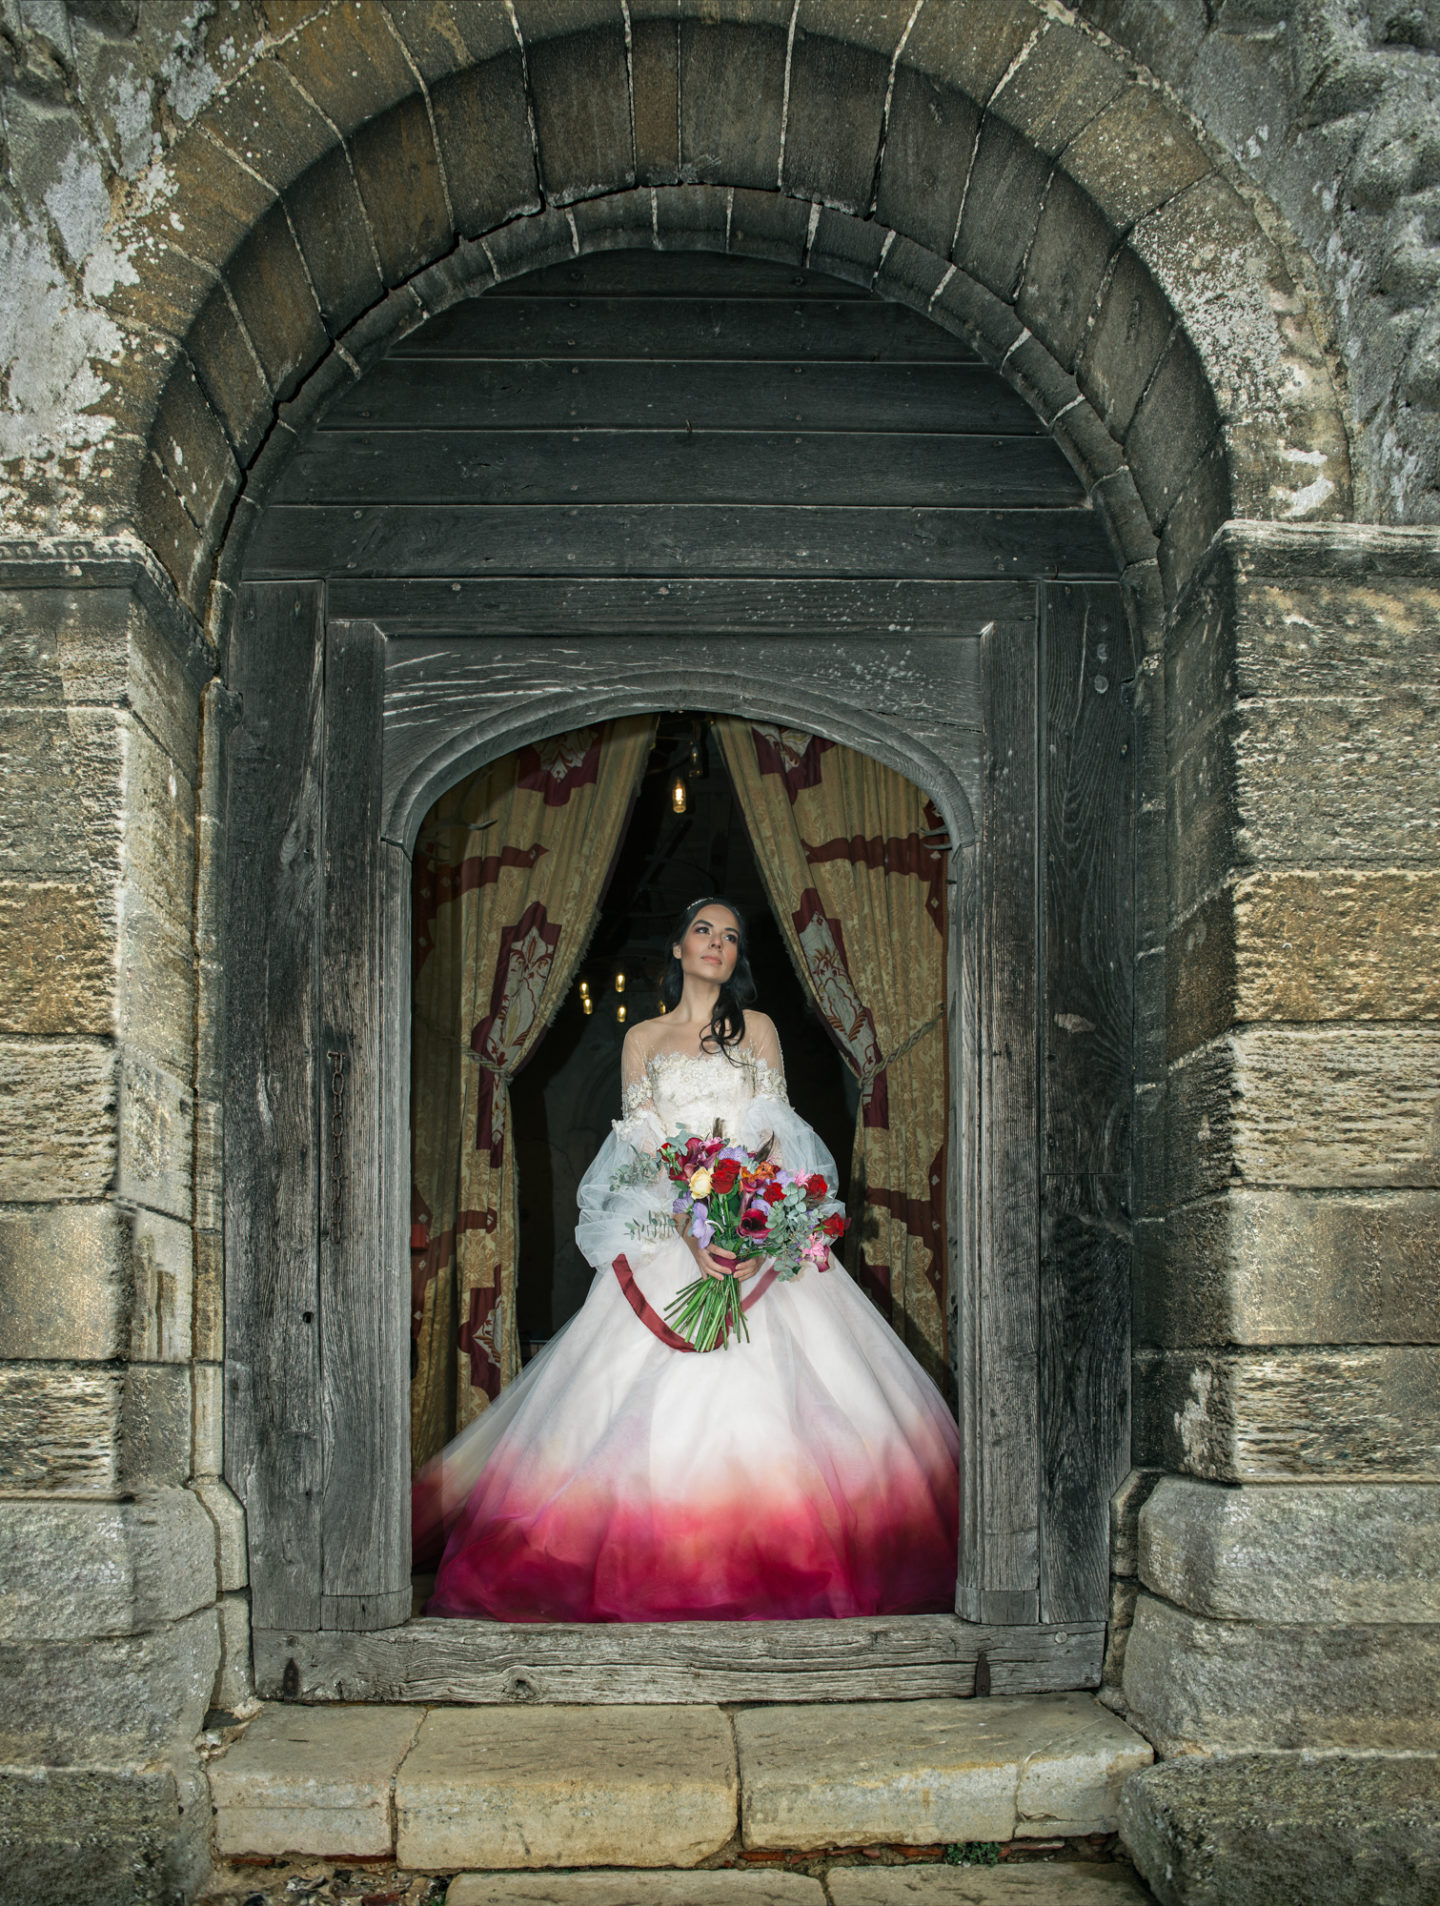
{"x":808,"y":1471}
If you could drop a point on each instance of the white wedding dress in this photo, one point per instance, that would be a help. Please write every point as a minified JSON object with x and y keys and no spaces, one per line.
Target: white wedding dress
{"x":808,"y":1471}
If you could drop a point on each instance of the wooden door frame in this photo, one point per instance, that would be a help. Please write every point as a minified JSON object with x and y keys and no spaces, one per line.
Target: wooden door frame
{"x":419,"y":711}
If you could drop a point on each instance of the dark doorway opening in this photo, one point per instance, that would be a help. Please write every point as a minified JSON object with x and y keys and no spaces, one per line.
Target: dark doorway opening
{"x":677,"y":848}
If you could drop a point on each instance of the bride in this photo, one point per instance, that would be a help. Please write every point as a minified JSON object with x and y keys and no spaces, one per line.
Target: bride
{"x":810,"y":1470}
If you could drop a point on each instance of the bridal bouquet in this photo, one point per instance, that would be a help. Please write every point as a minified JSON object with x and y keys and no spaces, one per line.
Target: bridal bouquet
{"x":736,"y":1204}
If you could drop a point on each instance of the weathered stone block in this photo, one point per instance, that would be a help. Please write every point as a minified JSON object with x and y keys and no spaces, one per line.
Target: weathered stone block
{"x":64,"y":788}
{"x":234,"y":1689}
{"x":1257,"y":367}
{"x":849,"y":248}
{"x":1130,"y":334}
{"x":1203,"y":506}
{"x":635,"y":1888}
{"x":1197,"y":1685}
{"x":1288,"y":1830}
{"x":579,"y":1786}
{"x":190,"y":444}
{"x":1301,"y":945}
{"x":911,"y":273}
{"x":928,"y":146}
{"x":1119,"y":1619}
{"x":1134,"y":155}
{"x":397,"y":169}
{"x":209,"y":1314}
{"x":732,"y":91}
{"x":272,"y":292}
{"x":231,"y":372}
{"x":108,"y":1700}
{"x":1041,"y":1884}
{"x":72,"y":1570}
{"x":57,"y":1119}
{"x":837,"y":102}
{"x":265,"y":119}
{"x":1329,"y":1415}
{"x":1125,"y":1506}
{"x":1296,"y":1267}
{"x":1002,"y":208}
{"x":335,"y":241}
{"x":208,"y":1381}
{"x":1354,"y":1106}
{"x":312,"y":1780}
{"x":1064,"y":269}
{"x":155,"y":1119}
{"x":64,"y":1289}
{"x":170,"y":531}
{"x":921,"y":1771}
{"x":699,"y":212}
{"x":97,"y":1431}
{"x":655,"y":97}
{"x":965,"y":305}
{"x":57,"y":968}
{"x":1349,"y":1553}
{"x":228,"y":1518}
{"x":1173,"y":426}
{"x":110,"y":1836}
{"x":957,"y":45}
{"x":156,"y":960}
{"x":765,"y":225}
{"x":1063,"y":81}
{"x":581,"y":91}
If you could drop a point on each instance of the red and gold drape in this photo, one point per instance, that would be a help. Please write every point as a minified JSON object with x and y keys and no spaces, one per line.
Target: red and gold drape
{"x":510,"y":868}
{"x":847,"y":850}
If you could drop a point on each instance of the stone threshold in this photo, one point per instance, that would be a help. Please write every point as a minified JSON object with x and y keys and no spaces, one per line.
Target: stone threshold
{"x":476,"y":1789}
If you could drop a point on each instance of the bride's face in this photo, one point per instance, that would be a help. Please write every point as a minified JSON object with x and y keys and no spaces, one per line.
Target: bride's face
{"x":711,"y":945}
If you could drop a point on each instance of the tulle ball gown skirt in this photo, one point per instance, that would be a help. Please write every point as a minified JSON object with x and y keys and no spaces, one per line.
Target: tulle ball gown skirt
{"x":811,"y":1471}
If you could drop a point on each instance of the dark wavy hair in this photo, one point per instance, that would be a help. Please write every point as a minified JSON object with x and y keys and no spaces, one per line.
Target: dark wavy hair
{"x":727,"y":1021}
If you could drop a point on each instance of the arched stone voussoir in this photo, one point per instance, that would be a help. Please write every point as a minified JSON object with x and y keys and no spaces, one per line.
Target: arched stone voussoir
{"x":993,"y":165}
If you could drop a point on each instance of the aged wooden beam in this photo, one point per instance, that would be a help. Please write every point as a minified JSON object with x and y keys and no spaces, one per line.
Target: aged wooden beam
{"x":577,"y":607}
{"x":676,"y":539}
{"x":900,"y":1658}
{"x":273,"y":1415}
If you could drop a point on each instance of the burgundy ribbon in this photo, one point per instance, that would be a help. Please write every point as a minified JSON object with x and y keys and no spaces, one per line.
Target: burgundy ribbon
{"x":651,"y":1317}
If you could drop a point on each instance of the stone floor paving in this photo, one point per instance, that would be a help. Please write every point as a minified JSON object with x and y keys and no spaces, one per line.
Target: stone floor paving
{"x":887,"y":1877}
{"x":481,"y":1788}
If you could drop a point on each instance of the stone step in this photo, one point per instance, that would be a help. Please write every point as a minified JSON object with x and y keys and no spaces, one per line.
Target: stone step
{"x":543,"y":1787}
{"x":1047,"y":1884}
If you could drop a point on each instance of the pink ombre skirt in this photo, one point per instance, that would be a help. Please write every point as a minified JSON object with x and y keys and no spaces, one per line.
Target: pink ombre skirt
{"x":811,"y":1471}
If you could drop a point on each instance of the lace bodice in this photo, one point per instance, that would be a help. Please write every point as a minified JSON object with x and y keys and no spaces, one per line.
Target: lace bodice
{"x":682,"y":1089}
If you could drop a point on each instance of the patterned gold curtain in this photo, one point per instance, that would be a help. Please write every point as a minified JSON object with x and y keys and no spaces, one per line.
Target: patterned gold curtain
{"x":510,"y":869}
{"x":847,"y":850}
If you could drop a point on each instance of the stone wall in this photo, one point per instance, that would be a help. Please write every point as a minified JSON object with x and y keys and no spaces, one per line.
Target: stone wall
{"x":120,"y":1547}
{"x":1287,"y":1368}
{"x":1213,"y":277}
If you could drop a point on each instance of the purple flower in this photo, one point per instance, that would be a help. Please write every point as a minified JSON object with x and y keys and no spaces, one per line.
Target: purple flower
{"x":681,"y":1205}
{"x":701,"y":1228}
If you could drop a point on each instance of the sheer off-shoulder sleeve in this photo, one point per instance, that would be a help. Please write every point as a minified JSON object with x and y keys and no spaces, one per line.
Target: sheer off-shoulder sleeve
{"x":612,"y":1198}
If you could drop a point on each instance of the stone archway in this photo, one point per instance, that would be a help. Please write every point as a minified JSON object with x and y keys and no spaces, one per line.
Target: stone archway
{"x":1080,"y":317}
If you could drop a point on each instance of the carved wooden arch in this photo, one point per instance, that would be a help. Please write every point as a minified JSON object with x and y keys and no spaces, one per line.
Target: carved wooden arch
{"x":521,"y":134}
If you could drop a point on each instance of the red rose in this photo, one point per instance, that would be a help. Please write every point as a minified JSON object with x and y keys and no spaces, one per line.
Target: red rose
{"x":723,"y":1177}
{"x":772,"y":1193}
{"x":832,"y":1226}
{"x":815,"y":1185}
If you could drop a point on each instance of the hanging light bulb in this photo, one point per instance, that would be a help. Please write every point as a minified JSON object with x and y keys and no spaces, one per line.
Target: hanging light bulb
{"x":663,"y":1007}
{"x":620,"y":1014}
{"x":584,"y":989}
{"x":620,"y":981}
{"x":677,"y":794}
{"x":587,"y":1005}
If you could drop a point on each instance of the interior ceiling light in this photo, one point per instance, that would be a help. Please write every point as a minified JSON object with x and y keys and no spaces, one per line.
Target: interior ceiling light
{"x":620,"y":1013}
{"x":677,"y":794}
